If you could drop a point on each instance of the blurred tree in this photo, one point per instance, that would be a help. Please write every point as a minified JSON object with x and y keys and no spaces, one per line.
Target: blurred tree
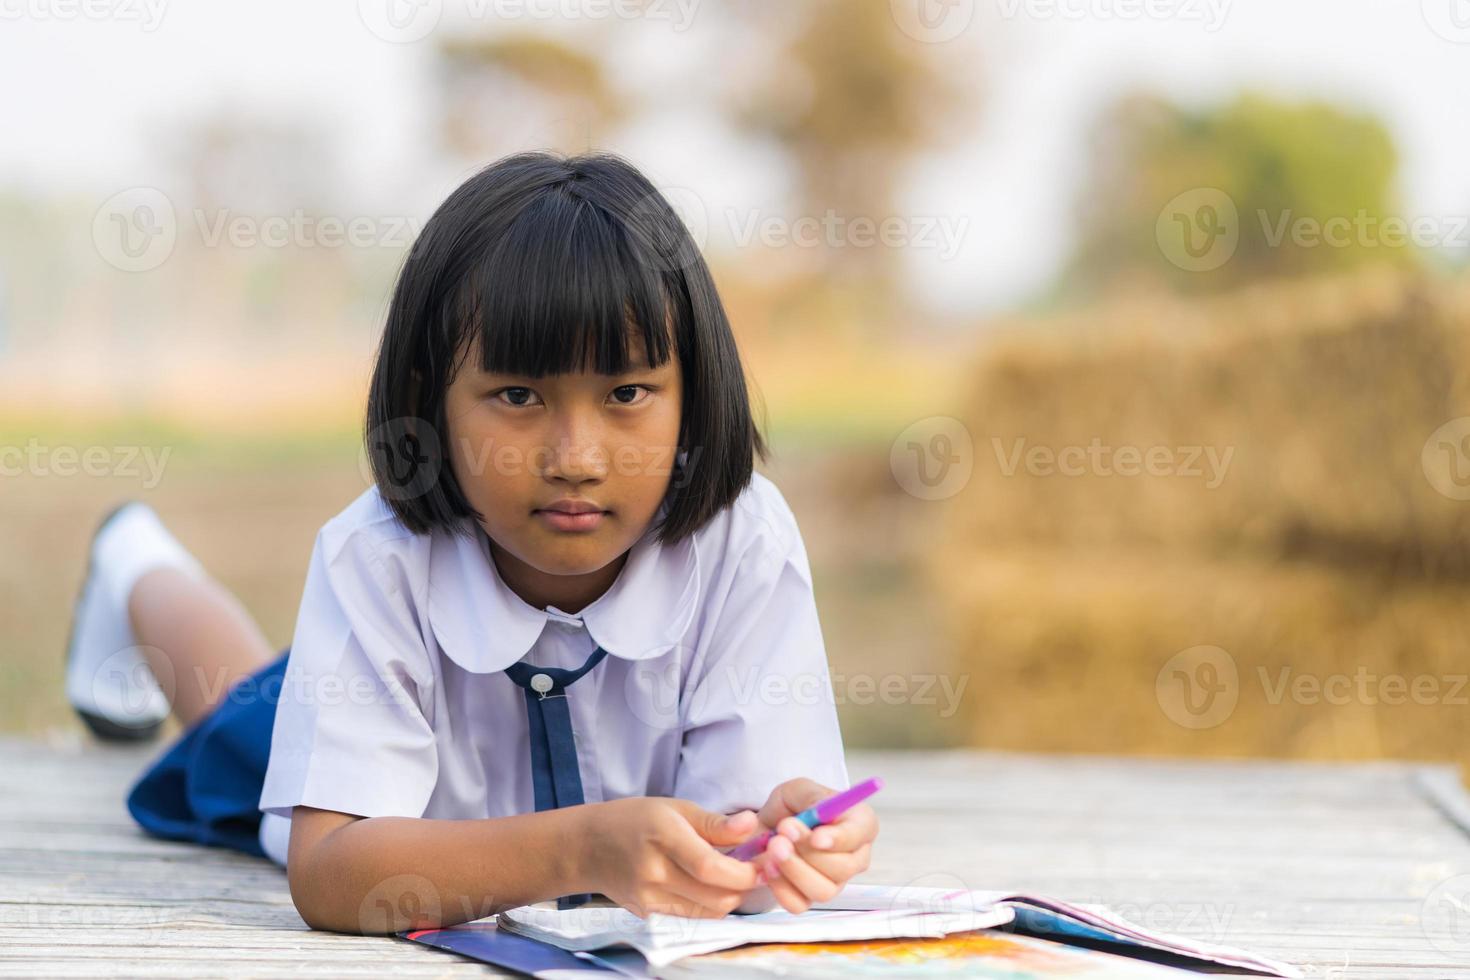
{"x":852,"y":100}
{"x":504,"y":94}
{"x":1206,"y":200}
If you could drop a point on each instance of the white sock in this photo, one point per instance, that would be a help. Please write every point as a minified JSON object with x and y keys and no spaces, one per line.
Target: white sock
{"x":133,"y":543}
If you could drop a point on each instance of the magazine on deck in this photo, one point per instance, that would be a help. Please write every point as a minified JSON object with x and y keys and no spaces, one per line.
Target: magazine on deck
{"x":1063,"y":922}
{"x":662,"y":939}
{"x":866,"y":929}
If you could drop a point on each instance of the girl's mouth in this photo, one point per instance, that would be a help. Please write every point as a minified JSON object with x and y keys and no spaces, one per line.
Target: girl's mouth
{"x":571,"y":516}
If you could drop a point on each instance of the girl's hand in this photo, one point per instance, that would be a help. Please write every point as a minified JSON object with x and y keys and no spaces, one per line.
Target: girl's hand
{"x":658,"y":854}
{"x":802,"y":865}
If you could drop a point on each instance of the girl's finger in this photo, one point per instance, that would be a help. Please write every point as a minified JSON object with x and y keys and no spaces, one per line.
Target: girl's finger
{"x":671,"y":903}
{"x":791,"y":899}
{"x":713,"y":900}
{"x":695,"y":856}
{"x":792,"y":796}
{"x":792,"y":829}
{"x":848,"y":832}
{"x":816,"y":886}
{"x":840,"y":865}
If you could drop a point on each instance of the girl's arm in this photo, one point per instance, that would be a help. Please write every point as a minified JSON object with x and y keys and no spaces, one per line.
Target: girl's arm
{"x":387,"y":874}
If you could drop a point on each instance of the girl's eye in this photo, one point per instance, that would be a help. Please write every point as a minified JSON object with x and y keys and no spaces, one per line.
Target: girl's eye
{"x":517,"y":397}
{"x":630,"y":391}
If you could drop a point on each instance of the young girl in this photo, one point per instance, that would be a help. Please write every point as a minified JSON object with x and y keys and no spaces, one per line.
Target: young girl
{"x":566,"y":645}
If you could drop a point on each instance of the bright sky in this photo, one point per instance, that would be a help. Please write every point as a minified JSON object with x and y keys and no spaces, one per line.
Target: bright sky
{"x":90,"y":100}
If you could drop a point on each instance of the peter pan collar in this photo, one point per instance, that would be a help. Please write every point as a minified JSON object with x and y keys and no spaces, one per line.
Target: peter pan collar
{"x":484,"y":627}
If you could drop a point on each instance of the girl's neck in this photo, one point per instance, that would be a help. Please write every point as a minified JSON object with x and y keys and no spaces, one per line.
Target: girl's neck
{"x":569,"y":593}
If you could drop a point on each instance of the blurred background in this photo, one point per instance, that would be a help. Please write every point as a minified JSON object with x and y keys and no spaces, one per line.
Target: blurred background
{"x":1113,"y":351}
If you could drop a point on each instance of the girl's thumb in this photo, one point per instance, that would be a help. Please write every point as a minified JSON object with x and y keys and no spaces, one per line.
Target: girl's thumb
{"x":734,"y":828}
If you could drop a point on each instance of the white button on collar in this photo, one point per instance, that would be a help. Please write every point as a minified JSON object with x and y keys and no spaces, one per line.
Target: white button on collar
{"x":541,"y":683}
{"x":553,"y":613}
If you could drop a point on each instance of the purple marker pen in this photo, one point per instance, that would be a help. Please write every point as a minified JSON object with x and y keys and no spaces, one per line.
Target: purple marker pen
{"x":826,"y":811}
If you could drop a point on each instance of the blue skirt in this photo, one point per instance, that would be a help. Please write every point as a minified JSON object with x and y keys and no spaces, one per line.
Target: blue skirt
{"x":206,"y":787}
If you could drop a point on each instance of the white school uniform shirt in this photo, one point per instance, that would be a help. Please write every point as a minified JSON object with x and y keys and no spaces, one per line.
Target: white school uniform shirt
{"x":394,"y":702}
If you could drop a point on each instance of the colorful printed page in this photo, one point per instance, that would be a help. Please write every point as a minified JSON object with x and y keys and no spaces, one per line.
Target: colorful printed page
{"x":1059,"y":921}
{"x":982,"y":955}
{"x":662,"y":939}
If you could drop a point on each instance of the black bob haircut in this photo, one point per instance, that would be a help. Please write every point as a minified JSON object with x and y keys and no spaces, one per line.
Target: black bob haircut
{"x":554,"y":264}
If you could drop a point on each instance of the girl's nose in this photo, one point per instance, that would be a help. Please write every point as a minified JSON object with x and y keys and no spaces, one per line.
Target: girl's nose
{"x":579,"y":454}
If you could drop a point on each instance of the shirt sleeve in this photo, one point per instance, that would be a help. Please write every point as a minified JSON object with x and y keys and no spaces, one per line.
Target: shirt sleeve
{"x":761,"y":708}
{"x":350,"y":731}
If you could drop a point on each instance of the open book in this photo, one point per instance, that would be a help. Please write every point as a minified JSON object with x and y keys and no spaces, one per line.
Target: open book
{"x":868,"y":912}
{"x":662,"y":939}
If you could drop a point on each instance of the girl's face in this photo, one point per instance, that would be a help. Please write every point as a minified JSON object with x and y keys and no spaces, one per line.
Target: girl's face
{"x":521,"y":447}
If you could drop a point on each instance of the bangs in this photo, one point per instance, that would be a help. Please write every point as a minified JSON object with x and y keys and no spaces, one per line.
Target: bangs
{"x":567,"y":287}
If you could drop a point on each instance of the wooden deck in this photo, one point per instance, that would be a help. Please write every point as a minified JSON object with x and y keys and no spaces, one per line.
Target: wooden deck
{"x":1352,"y":872}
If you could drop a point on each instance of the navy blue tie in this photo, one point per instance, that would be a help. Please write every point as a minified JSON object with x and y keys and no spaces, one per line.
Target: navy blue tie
{"x":555,"y":776}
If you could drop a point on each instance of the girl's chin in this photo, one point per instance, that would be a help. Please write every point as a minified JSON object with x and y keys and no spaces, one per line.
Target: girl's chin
{"x":574,"y":554}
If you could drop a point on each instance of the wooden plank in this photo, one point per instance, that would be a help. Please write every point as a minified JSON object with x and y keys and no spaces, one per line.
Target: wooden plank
{"x":1352,"y":871}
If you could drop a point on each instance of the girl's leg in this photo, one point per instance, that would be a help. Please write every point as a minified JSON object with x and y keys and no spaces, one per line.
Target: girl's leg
{"x":196,"y":637}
